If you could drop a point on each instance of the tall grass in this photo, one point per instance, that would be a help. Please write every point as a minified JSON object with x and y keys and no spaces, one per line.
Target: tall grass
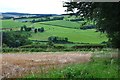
{"x":97,"y":68}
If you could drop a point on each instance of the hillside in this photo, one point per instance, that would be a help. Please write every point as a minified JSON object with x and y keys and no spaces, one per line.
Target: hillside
{"x":74,"y":35}
{"x":19,"y":15}
{"x":63,"y":23}
{"x":60,"y":28}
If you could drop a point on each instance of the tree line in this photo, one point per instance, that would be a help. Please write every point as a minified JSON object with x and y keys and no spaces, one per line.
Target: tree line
{"x":25,"y":28}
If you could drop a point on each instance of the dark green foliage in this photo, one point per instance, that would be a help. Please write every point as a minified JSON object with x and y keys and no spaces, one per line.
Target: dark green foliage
{"x":25,"y":27}
{"x":15,"y":39}
{"x":82,"y":19}
{"x":50,"y":44}
{"x":105,"y":14}
{"x":87,"y":27}
{"x":58,"y":18}
{"x":35,"y":30}
{"x":88,"y":46}
{"x":28,"y":29}
{"x":33,"y":21}
{"x":41,"y":29}
{"x":35,"y":46}
{"x":58,"y":39}
{"x":8,"y":50}
{"x":22,"y":29}
{"x":59,"y":47}
{"x":47,"y":18}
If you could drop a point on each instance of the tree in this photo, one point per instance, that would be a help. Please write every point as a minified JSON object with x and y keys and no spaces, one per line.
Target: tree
{"x":15,"y":39}
{"x":25,"y":27}
{"x":33,"y":21}
{"x":106,"y":15}
{"x":66,"y":39}
{"x":22,"y":29}
{"x":42,"y":29}
{"x":50,"y":44}
{"x":35,"y":30}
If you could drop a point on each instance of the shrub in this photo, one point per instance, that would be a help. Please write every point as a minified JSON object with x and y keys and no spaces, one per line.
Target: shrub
{"x":59,"y":47}
{"x":56,"y":39}
{"x":41,"y":29}
{"x":15,"y":39}
{"x":88,"y":46}
{"x":34,"y":46}
{"x":50,"y":44}
{"x":35,"y":30}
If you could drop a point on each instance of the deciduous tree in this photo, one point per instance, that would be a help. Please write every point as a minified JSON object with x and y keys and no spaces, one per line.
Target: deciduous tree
{"x":106,"y":15}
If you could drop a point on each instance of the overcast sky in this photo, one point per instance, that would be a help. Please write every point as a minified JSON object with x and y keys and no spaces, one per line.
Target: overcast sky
{"x":33,"y":6}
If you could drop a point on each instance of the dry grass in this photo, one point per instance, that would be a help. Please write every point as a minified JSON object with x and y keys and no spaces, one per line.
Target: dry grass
{"x":18,"y":65}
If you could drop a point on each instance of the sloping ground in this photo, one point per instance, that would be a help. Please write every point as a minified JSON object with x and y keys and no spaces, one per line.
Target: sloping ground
{"x":63,"y":23}
{"x":17,"y":65}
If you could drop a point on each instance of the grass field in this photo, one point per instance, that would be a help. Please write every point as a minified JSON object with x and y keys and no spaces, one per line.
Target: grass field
{"x":60,"y":28}
{"x":74,"y":35}
{"x":12,"y":24}
{"x":63,"y":23}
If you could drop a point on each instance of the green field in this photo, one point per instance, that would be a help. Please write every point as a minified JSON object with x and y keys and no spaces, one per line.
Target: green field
{"x":60,"y":28}
{"x":63,"y":23}
{"x":12,"y":24}
{"x":74,"y":35}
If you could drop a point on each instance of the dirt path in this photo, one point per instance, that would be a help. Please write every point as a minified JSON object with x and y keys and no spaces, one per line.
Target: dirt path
{"x":15,"y":65}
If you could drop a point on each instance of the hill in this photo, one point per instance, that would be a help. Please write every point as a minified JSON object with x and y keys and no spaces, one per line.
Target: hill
{"x":63,"y":23}
{"x":74,"y":35}
{"x":60,"y":28}
{"x":18,"y":15}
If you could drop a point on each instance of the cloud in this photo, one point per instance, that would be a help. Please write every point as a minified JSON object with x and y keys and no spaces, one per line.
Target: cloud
{"x":32,"y":6}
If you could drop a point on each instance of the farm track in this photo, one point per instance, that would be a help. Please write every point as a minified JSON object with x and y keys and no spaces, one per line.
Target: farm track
{"x":18,"y":65}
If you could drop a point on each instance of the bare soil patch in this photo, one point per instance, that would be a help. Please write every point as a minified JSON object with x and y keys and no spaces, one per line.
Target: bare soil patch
{"x":18,"y":64}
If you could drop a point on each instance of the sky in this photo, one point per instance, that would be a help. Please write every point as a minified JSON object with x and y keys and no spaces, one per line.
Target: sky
{"x":33,"y":6}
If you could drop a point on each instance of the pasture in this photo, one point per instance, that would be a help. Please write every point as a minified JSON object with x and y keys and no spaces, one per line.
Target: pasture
{"x":63,"y":23}
{"x":73,"y":35}
{"x":13,"y":23}
{"x":59,"y":28}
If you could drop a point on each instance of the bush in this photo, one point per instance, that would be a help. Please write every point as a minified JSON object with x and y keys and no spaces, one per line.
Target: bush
{"x":56,"y":39}
{"x":35,"y":30}
{"x":15,"y":39}
{"x":59,"y":47}
{"x":41,"y":29}
{"x":34,"y":46}
{"x":88,"y":46}
{"x":88,"y":27}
